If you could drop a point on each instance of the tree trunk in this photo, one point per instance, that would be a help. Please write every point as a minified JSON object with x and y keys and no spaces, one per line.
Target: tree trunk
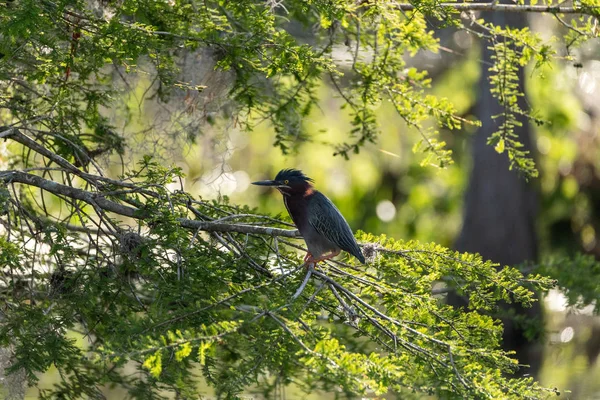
{"x":12,"y":386}
{"x":500,"y":209}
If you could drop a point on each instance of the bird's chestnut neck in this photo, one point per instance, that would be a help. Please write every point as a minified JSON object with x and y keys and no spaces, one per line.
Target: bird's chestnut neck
{"x":309,"y":190}
{"x":303,"y":189}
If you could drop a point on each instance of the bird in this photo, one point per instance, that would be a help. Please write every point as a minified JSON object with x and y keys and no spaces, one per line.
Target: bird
{"x":320,"y":223}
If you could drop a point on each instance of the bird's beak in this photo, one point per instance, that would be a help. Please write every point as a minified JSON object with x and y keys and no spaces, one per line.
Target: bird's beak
{"x":276,"y":184}
{"x":266,"y":183}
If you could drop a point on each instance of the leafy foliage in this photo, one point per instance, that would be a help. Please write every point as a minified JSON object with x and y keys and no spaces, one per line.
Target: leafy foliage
{"x":505,"y":87}
{"x":160,"y":282}
{"x":58,"y":57}
{"x":577,"y":277}
{"x":170,"y":300}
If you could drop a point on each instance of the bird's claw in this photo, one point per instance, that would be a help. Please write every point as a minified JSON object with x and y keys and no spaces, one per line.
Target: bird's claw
{"x":309,"y":259}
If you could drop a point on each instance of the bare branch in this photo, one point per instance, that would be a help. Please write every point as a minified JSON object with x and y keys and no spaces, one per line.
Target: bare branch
{"x":98,"y":200}
{"x":26,"y":141}
{"x":509,"y":8}
{"x":311,"y":266}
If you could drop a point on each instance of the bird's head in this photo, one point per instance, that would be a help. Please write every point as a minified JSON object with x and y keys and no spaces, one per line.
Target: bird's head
{"x":290,"y":182}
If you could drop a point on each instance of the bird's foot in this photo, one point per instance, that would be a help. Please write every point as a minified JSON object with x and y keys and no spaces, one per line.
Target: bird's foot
{"x":309,"y":259}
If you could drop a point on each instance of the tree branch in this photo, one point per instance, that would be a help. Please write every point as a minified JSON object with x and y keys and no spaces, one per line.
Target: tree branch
{"x":98,"y":200}
{"x":16,"y":135}
{"x":509,"y":8}
{"x":219,"y":227}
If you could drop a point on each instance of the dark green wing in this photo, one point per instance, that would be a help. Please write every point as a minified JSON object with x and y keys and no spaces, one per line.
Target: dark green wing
{"x":327,"y":220}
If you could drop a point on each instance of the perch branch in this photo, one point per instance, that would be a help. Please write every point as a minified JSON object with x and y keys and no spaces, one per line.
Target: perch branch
{"x":97,"y":199}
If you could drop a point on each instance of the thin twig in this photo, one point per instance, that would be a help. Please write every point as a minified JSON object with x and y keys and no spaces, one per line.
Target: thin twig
{"x":311,"y":267}
{"x":507,"y":8}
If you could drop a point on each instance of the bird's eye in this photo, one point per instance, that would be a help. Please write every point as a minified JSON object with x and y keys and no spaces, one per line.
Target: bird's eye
{"x":286,"y":181}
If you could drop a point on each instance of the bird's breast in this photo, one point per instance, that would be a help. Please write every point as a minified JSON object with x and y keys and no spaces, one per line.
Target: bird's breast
{"x":297,"y":207}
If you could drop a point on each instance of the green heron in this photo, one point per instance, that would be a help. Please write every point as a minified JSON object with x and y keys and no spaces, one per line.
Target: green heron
{"x":323,"y":227}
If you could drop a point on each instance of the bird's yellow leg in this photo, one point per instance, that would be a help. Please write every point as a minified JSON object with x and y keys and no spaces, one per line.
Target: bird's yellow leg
{"x":323,"y":257}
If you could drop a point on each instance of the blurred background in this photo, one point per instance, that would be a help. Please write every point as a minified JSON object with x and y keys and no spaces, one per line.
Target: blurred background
{"x":475,"y":204}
